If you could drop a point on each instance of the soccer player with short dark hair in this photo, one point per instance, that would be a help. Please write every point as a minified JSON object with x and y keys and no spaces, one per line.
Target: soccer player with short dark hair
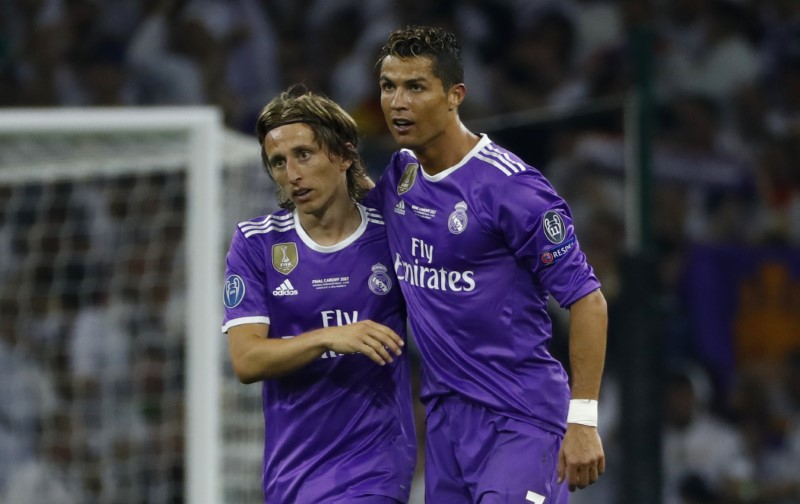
{"x":314,"y":311}
{"x":479,"y":241}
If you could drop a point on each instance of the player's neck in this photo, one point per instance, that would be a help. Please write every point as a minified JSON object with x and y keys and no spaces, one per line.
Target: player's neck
{"x":446,"y":150}
{"x":332,"y":224}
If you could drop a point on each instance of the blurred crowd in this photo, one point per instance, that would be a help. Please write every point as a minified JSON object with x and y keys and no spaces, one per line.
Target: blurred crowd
{"x":726,"y":163}
{"x":727,"y":77}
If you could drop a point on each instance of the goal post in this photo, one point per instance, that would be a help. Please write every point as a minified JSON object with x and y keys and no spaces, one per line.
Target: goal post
{"x":175,"y":181}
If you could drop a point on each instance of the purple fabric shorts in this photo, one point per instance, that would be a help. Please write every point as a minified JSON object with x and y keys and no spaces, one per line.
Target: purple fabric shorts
{"x":476,"y":456}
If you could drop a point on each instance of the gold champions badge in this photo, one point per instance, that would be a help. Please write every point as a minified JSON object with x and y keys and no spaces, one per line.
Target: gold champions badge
{"x":284,"y":257}
{"x":408,"y":178}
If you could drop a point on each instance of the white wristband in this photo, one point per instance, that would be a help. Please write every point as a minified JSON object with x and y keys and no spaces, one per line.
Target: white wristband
{"x":583,"y":411}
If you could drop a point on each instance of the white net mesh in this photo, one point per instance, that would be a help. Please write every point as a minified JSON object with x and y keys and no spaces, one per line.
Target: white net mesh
{"x":93,"y":355}
{"x":246,"y":194}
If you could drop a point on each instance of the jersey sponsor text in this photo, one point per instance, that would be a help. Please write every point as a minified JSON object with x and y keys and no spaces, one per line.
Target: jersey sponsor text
{"x":433,"y":278}
{"x":337,"y":318}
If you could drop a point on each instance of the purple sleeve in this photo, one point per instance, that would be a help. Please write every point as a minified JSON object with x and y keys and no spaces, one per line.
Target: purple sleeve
{"x":376,"y":196}
{"x":537,"y":225}
{"x":245,"y":284}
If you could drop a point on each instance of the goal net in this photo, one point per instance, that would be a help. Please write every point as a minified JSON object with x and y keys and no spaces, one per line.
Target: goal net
{"x":114,"y":378}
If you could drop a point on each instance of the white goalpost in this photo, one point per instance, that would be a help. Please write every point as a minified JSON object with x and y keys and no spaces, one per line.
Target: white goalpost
{"x":114,"y":225}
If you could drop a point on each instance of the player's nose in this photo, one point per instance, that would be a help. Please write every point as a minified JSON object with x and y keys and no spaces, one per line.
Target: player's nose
{"x":399,"y":100}
{"x":293,"y":172}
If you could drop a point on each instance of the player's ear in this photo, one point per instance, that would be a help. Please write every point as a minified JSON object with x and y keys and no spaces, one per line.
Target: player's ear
{"x":456,"y":95}
{"x":347,"y":162}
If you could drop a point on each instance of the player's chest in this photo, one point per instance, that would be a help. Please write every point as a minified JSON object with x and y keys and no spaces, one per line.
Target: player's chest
{"x":302,"y":283}
{"x":437,"y":224}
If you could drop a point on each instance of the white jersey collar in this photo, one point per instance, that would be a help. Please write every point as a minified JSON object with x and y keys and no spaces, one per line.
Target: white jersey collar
{"x":327,"y":249}
{"x":483,"y":142}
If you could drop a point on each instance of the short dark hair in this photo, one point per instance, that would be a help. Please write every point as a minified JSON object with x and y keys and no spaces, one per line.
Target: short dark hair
{"x":438,"y":44}
{"x":333,"y":130}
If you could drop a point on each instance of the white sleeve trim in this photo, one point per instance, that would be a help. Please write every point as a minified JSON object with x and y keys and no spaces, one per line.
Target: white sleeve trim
{"x":245,"y":320}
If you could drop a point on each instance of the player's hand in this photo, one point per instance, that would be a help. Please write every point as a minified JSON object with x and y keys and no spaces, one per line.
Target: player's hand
{"x":367,"y":183}
{"x":374,"y":340}
{"x":581,"y":460}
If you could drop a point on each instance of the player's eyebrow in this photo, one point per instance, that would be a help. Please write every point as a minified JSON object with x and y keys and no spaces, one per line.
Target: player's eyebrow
{"x":407,"y":82}
{"x":416,"y":80}
{"x":297,"y":149}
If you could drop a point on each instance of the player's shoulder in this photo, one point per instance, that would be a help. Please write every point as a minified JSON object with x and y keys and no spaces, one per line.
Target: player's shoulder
{"x":401,"y":169}
{"x":402,"y":158}
{"x":372,"y":215}
{"x":495,"y":161}
{"x":267,"y":226}
{"x":374,"y":227}
{"x":498,"y":170}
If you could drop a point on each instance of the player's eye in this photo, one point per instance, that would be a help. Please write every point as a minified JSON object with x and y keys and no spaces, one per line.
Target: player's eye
{"x":278,"y":164}
{"x":387,"y":86}
{"x":304,"y":155}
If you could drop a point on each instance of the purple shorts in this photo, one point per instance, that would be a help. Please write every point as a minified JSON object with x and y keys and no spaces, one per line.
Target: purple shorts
{"x":476,"y":456}
{"x":372,"y":499}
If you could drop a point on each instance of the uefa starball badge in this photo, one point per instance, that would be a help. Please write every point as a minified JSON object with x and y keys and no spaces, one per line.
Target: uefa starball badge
{"x":233,"y":293}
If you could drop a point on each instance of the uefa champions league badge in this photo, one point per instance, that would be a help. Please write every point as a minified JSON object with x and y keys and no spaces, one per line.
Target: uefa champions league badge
{"x":233,"y":294}
{"x":379,"y":282}
{"x":457,"y":222}
{"x":553,"y":226}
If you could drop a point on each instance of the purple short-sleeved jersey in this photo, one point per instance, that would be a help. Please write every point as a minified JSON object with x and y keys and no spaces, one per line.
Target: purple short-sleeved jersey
{"x":477,"y":249}
{"x":342,"y":426}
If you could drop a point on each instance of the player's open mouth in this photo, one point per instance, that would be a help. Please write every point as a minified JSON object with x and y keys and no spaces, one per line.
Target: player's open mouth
{"x":402,"y":125}
{"x":301,"y":195}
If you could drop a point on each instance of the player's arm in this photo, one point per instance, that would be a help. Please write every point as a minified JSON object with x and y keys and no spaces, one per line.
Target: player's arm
{"x":582,"y":460}
{"x":588,"y":324}
{"x":256,"y":357}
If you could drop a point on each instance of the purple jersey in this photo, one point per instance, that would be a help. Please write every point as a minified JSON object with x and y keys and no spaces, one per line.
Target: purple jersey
{"x":341,"y":426}
{"x":477,"y":249}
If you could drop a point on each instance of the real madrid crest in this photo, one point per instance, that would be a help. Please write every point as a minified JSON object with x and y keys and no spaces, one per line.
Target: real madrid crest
{"x":408,"y":178}
{"x":284,"y":257}
{"x":379,"y":281}
{"x":457,"y":222}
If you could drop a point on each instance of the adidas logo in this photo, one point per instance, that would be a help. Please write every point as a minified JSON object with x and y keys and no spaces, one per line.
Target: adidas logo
{"x":285,"y":289}
{"x":400,"y":208}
